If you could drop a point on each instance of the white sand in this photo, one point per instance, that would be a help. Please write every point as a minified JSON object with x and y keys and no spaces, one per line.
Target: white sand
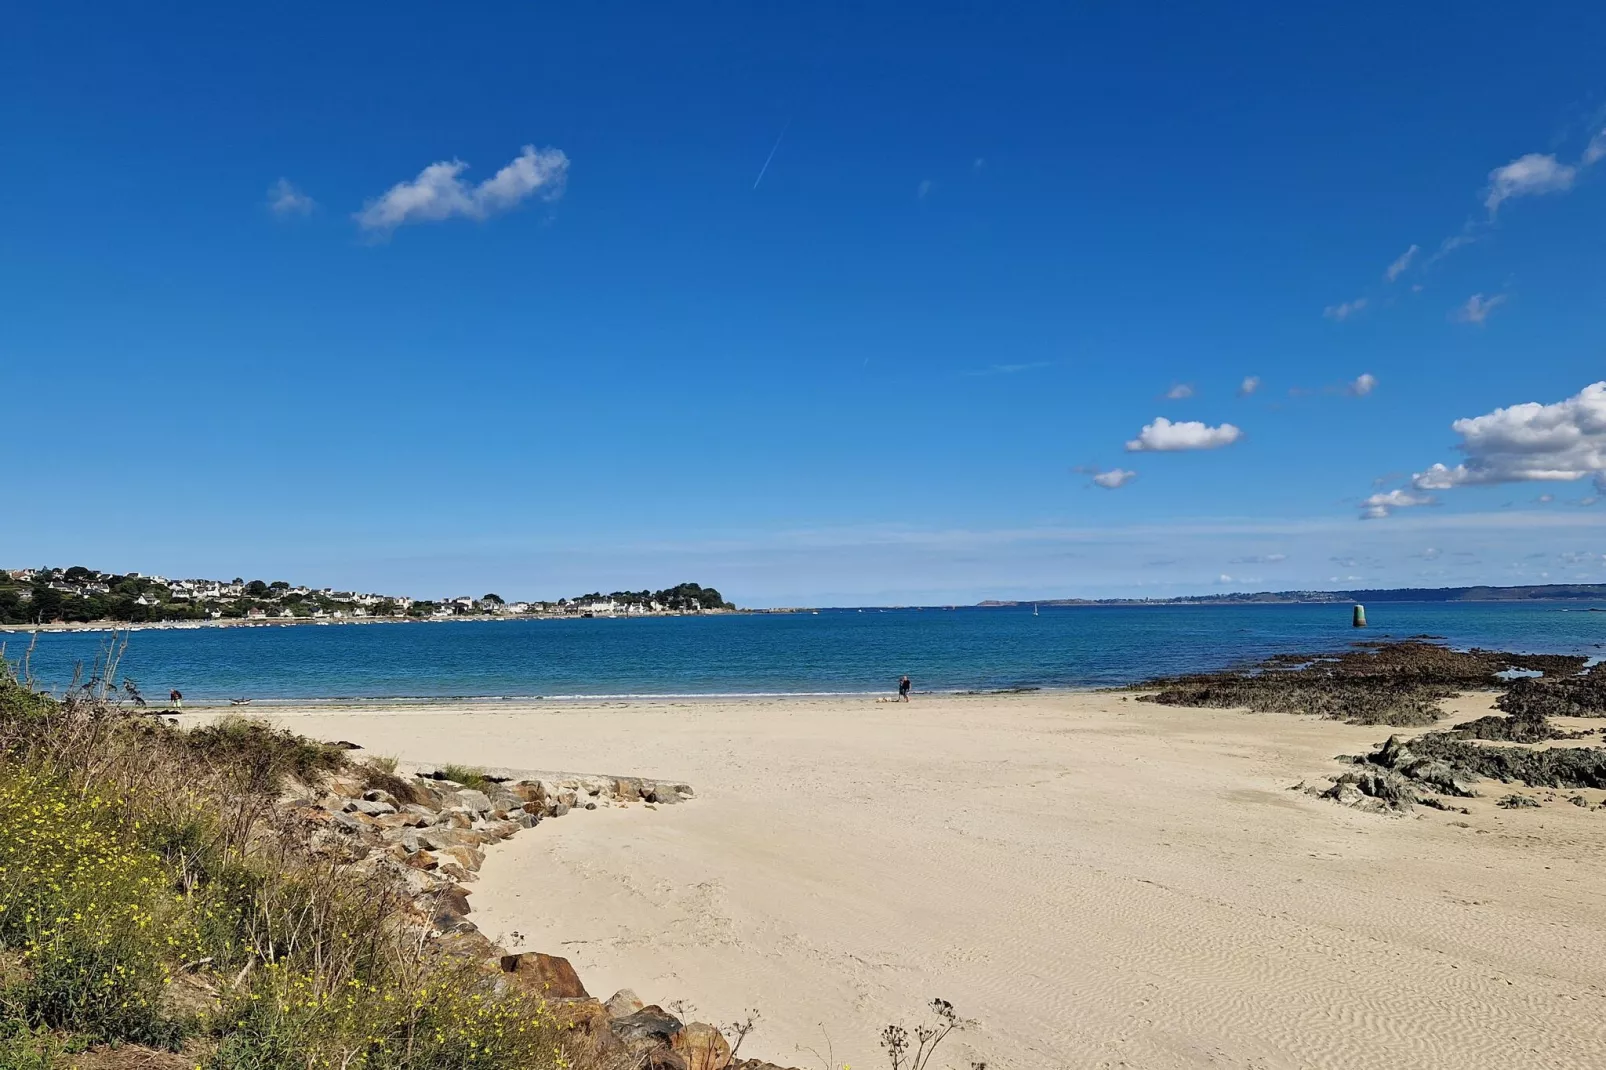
{"x":1097,"y":882}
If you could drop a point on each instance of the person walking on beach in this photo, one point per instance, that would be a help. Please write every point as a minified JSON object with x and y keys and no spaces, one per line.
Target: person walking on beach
{"x":903,"y":689}
{"x":175,"y":699}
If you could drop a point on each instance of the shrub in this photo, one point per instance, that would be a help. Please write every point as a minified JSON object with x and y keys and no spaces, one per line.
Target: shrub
{"x":292,"y":1020}
{"x":468,"y":776}
{"x":90,"y":912}
{"x":259,"y":754}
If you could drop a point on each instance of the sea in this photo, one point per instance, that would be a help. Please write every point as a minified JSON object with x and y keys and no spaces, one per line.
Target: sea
{"x":833,"y":651}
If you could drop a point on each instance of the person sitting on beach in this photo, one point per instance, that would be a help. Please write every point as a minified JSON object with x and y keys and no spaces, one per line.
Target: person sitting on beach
{"x":175,"y":699}
{"x":903,"y":689}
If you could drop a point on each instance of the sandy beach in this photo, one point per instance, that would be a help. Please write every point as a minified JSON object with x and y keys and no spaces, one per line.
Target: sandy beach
{"x":1097,"y":882}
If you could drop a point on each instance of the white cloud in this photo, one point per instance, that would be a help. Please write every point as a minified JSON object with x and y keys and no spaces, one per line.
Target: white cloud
{"x":1250,"y":384}
{"x":1560,"y":442}
{"x":1179,"y":392}
{"x":978,"y":163}
{"x":1380,"y":505}
{"x":1528,"y":176}
{"x":1363,"y":385}
{"x":1344,"y":311}
{"x":1477,"y":308}
{"x":285,"y":200}
{"x":1224,"y":578}
{"x":1114,"y":479}
{"x":1260,"y":559}
{"x":923,"y":190}
{"x":1595,"y":151}
{"x":439,"y":191}
{"x":1403,"y":261}
{"x":1165,"y":436}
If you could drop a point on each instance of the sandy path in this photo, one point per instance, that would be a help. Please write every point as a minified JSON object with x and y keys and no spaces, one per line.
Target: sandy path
{"x":1097,"y":882}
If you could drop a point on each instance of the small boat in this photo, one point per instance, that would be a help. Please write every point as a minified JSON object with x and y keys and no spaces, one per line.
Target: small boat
{"x":1034,"y":609}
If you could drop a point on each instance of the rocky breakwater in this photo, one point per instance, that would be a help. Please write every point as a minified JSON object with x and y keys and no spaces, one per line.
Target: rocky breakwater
{"x":623,"y":1030}
{"x":429,"y":834}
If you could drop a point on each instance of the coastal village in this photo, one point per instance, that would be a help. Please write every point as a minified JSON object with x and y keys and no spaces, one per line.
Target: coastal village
{"x":80,"y":595}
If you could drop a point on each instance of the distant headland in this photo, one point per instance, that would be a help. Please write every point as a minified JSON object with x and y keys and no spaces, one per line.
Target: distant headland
{"x":1540,"y":592}
{"x":80,"y":595}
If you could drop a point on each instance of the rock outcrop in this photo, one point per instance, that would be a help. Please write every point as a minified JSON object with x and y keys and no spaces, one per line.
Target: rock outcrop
{"x":431,"y":834}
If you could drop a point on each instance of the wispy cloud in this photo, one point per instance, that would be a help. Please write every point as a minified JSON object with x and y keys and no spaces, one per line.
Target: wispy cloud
{"x":1179,"y":392}
{"x":285,"y":200}
{"x":978,"y":163}
{"x":1114,"y":478}
{"x":439,"y":192}
{"x":1344,"y":310}
{"x":1163,"y":436}
{"x":1477,"y":309}
{"x":1382,"y":504}
{"x":1011,"y":369}
{"x":1259,"y":559}
{"x":1527,"y":176}
{"x":1401,"y":263}
{"x":1595,"y":151}
{"x":923,"y":190}
{"x":1250,"y":384}
{"x":1361,"y":385}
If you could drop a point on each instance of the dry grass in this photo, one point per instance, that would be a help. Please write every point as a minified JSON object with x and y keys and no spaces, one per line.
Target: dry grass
{"x":144,"y":862}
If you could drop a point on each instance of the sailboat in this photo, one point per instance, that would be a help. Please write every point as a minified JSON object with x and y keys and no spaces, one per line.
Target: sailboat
{"x":1034,"y":609}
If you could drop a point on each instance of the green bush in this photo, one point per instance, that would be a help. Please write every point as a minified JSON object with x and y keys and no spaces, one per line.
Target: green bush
{"x":466,"y":775}
{"x":90,"y":913}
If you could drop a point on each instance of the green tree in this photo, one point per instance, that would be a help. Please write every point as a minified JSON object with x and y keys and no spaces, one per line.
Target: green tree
{"x":46,"y":605}
{"x":256,"y":588}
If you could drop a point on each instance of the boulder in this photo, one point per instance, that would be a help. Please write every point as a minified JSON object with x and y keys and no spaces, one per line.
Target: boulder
{"x":379,"y":795}
{"x":470,"y":858}
{"x":455,"y":870}
{"x":649,"y":1028}
{"x":546,"y":975}
{"x":628,"y":788}
{"x":1440,"y":776}
{"x":372,"y":809}
{"x":421,"y":860}
{"x":622,"y":1003}
{"x":477,"y":801}
{"x":438,"y":839}
{"x":455,"y":818}
{"x":1377,"y":791}
{"x":584,"y":1015}
{"x":453,"y":899}
{"x":701,"y":1046}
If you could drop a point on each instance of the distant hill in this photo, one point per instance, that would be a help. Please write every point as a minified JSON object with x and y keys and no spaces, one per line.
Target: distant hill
{"x":1541,"y":592}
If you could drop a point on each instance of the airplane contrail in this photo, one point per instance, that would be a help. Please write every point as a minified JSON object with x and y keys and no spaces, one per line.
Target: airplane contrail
{"x":773,"y":149}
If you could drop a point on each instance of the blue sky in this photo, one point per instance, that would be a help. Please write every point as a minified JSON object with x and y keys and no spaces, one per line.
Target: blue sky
{"x":244,"y":331}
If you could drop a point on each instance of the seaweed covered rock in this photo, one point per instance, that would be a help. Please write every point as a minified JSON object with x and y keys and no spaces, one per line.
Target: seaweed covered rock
{"x":1376,"y":790}
{"x":646,"y":1029}
{"x":1386,"y":684}
{"x":1549,"y":767}
{"x":1578,"y":695}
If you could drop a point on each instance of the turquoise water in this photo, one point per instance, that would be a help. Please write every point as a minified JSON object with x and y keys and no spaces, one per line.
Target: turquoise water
{"x":835,"y":651}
